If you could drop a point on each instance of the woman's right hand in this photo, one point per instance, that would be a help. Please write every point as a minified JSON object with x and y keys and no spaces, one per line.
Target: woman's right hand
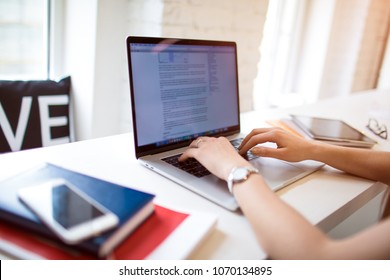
{"x":216,"y":154}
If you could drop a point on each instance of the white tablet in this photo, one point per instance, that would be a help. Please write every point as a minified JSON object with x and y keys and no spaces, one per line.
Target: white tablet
{"x":332,"y":130}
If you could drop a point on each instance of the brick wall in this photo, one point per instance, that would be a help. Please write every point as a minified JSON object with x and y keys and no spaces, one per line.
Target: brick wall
{"x":240,"y":21}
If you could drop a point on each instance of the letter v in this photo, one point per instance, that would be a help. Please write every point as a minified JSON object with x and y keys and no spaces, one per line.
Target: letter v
{"x":15,"y":141}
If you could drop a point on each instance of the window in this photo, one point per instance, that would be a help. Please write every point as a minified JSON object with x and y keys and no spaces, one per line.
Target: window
{"x":273,"y":86}
{"x":313,"y":50}
{"x":24,"y":30}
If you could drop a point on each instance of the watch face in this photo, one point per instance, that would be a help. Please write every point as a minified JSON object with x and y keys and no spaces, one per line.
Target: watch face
{"x":240,"y":174}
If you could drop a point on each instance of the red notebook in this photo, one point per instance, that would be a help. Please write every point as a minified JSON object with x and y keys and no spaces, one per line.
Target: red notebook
{"x":143,"y":241}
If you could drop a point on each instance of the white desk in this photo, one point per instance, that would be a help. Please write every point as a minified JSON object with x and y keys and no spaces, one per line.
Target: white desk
{"x":325,"y":198}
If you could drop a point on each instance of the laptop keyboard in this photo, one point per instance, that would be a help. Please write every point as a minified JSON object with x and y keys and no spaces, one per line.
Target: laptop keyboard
{"x":193,"y":166}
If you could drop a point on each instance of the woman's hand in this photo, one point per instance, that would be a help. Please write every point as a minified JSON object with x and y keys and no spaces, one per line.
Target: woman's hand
{"x":216,"y":154}
{"x":219,"y":156}
{"x":289,"y":147}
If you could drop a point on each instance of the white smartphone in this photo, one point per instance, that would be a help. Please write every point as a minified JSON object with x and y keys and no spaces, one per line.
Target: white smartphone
{"x":69,"y":212}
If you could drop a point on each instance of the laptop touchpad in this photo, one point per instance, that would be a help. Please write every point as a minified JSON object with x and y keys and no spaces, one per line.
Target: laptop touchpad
{"x":277,"y":173}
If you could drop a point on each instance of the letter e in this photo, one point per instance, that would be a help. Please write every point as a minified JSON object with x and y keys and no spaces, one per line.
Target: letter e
{"x":47,"y":122}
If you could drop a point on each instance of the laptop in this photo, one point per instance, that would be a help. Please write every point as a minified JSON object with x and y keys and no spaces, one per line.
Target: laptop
{"x":182,"y":89}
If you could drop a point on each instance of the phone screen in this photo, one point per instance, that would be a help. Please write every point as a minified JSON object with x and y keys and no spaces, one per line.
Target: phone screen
{"x":69,"y":212}
{"x":69,"y":209}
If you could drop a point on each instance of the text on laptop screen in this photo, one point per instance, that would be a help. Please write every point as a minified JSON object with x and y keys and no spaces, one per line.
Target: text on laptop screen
{"x":182,"y":91}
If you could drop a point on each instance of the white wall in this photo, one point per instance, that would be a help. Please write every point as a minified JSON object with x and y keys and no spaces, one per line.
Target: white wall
{"x":110,"y":67}
{"x":94,"y":55}
{"x":79,"y":60}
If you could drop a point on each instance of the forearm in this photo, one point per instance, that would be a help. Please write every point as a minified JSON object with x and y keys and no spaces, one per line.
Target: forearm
{"x":373,"y":165}
{"x":282,"y":232}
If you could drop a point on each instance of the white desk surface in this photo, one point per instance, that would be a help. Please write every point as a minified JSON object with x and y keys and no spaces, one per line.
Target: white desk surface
{"x":325,"y":198}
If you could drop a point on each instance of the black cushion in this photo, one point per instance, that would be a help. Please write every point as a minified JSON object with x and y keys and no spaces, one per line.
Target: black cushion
{"x":34,"y":114}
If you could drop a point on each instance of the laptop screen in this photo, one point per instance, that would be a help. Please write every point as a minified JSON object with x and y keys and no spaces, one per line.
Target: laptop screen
{"x":181,"y":89}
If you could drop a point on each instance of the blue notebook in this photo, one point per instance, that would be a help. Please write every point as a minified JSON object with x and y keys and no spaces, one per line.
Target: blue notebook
{"x":131,"y":206}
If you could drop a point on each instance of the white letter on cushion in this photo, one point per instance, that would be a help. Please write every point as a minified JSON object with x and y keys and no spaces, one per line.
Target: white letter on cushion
{"x":47,"y":122}
{"x":15,"y":141}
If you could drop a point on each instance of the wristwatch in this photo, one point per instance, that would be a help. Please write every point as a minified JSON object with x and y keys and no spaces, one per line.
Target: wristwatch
{"x":239,"y":175}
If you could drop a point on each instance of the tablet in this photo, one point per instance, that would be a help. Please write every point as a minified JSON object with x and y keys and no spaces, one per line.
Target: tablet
{"x":332,"y":130}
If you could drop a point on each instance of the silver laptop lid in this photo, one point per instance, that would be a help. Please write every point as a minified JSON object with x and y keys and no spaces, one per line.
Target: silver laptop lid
{"x":181,"y":89}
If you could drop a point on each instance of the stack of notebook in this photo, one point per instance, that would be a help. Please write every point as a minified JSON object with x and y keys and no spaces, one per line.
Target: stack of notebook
{"x":144,"y":229}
